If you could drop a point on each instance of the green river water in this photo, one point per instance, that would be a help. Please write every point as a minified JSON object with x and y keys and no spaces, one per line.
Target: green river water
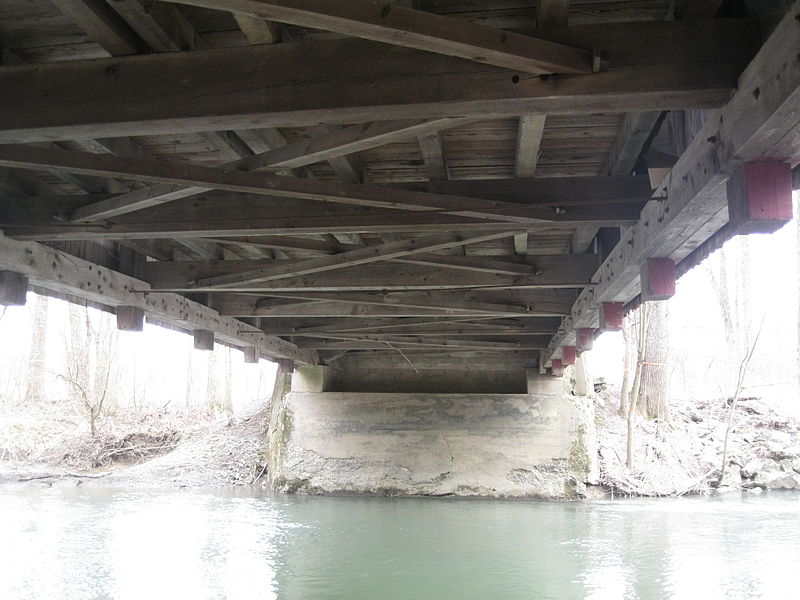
{"x":87,"y":542}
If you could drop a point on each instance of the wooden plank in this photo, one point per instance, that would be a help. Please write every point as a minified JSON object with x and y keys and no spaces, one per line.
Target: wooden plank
{"x":755,"y":124}
{"x":529,"y":139}
{"x":59,"y":272}
{"x":432,"y":148}
{"x":410,"y":28}
{"x":360,"y":256}
{"x":102,"y":25}
{"x":202,"y":91}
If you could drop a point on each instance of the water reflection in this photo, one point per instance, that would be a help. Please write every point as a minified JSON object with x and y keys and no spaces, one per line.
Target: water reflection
{"x":95,"y":543}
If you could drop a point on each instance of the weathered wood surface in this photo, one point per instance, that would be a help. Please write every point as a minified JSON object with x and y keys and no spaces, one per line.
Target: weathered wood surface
{"x":458,"y":272}
{"x":657,"y":67}
{"x":54,"y":270}
{"x":411,"y":28}
{"x":759,"y":121}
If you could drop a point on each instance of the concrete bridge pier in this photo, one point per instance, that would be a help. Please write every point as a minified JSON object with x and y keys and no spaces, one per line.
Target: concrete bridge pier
{"x":357,"y":428}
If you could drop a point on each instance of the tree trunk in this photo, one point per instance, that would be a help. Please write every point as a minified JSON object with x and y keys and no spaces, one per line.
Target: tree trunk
{"x":644,"y":312}
{"x":629,"y":343}
{"x":38,"y":352}
{"x":77,"y":354}
{"x":655,"y":376}
{"x":211,"y":381}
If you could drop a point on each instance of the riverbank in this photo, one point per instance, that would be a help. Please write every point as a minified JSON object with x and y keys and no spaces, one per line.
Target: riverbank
{"x":182,"y":450}
{"x":166,"y":450}
{"x":685,"y":455}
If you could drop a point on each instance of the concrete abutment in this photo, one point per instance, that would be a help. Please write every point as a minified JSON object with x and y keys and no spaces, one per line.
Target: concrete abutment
{"x":406,"y":440}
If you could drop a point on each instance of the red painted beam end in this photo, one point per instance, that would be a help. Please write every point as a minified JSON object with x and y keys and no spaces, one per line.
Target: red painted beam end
{"x":760,"y":197}
{"x":569,"y":355}
{"x":658,"y":279}
{"x":611,"y":314}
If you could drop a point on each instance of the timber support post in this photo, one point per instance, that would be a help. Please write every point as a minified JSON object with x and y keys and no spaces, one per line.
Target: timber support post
{"x":130,"y":318}
{"x":13,"y":288}
{"x":250,"y":355}
{"x":203,"y":339}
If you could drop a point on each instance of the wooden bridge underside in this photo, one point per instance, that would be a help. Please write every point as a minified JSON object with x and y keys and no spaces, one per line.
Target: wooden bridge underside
{"x":428,"y":181}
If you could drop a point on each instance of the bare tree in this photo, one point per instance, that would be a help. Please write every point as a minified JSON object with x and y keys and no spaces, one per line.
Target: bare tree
{"x":89,"y":363}
{"x":629,"y":361}
{"x":641,"y":346}
{"x":211,"y":380}
{"x":38,"y":351}
{"x":743,"y":367}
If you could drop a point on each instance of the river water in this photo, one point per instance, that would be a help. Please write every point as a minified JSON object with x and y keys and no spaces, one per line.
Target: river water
{"x":87,"y":542}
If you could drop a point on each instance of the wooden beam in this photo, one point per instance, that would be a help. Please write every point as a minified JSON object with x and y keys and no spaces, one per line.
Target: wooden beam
{"x":584,"y":339}
{"x":349,"y":169}
{"x":548,"y":191}
{"x":410,"y":28}
{"x":203,"y":339}
{"x":102,"y":24}
{"x":56,"y":271}
{"x":130,"y":318}
{"x":425,"y":327}
{"x":13,"y":288}
{"x":161,"y":25}
{"x":231,"y":223}
{"x":552,"y":13}
{"x":611,"y":315}
{"x":530,"y":303}
{"x":550,"y":271}
{"x":258,"y":183}
{"x":331,"y":146}
{"x":633,"y":134}
{"x":374,"y":342}
{"x":529,"y":139}
{"x":256,"y":30}
{"x":760,"y":197}
{"x":202,"y":91}
{"x":658,"y":279}
{"x":250,"y":355}
{"x":352,"y":258}
{"x":757,"y":123}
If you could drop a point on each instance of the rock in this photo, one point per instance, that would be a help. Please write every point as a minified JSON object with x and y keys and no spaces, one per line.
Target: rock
{"x":732,"y":477}
{"x":769,"y":472}
{"x":789,"y":481}
{"x":755,"y":490}
{"x":796,"y":464}
{"x":752,"y":467}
